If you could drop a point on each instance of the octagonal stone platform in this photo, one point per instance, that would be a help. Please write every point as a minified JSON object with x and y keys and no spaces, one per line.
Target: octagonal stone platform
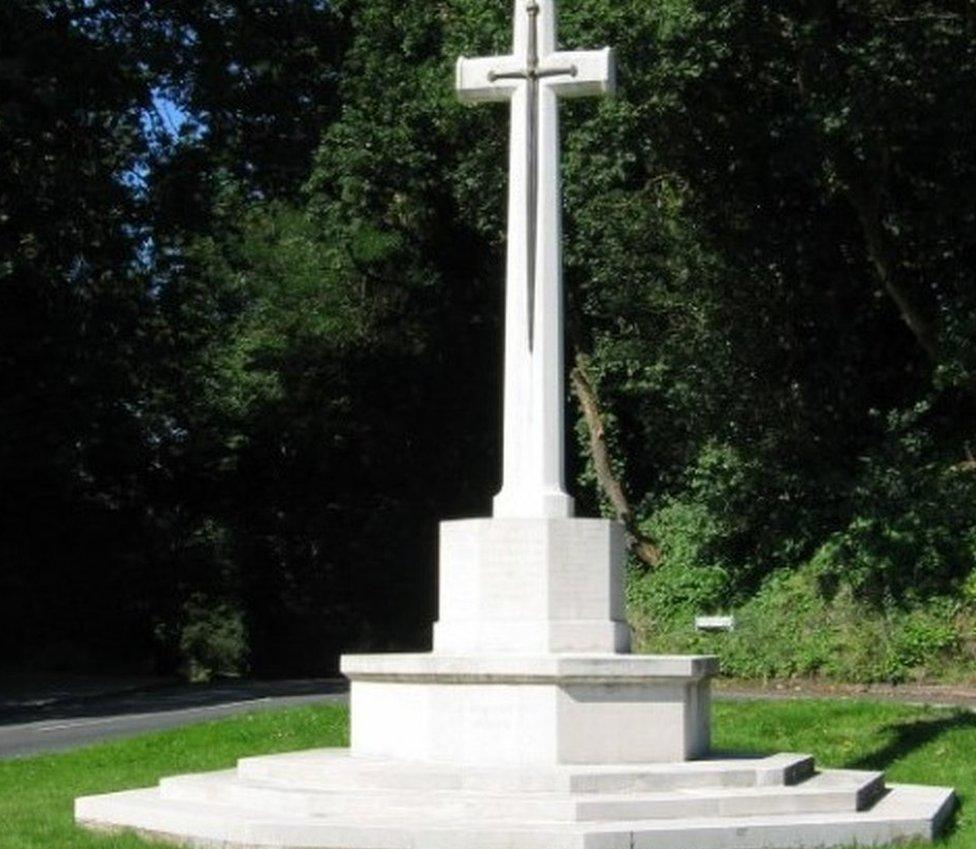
{"x":530,"y":710}
{"x":331,"y":799}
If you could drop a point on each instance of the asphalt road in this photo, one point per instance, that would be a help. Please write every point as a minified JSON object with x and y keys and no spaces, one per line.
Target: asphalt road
{"x":28,"y":727}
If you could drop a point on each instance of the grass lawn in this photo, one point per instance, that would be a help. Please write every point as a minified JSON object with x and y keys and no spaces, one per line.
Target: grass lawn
{"x":913,"y":744}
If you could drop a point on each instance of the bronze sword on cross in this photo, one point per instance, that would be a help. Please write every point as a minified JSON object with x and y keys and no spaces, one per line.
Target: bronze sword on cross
{"x":532,"y":73}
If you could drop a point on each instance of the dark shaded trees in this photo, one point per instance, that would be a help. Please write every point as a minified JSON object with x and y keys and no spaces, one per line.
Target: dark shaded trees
{"x":74,"y":356}
{"x":103,"y":332}
{"x":253,"y":361}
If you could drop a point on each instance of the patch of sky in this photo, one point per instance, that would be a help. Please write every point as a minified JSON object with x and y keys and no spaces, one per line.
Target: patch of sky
{"x":164,"y":124}
{"x":167,"y":118}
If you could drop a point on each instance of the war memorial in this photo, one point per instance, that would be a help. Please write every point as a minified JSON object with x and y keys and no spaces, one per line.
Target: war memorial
{"x":529,"y":725}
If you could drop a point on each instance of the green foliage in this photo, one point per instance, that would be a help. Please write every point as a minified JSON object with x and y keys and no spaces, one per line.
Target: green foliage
{"x":212,"y":640}
{"x":922,"y":637}
{"x":793,"y":627}
{"x":912,"y":526}
{"x":761,"y":279}
{"x":694,"y":577}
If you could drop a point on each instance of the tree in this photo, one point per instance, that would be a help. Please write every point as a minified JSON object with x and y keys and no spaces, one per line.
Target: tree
{"x":72,"y":350}
{"x":276,"y":329}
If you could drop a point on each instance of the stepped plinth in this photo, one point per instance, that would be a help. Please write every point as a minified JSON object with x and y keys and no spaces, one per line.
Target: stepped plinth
{"x":500,"y":749}
{"x":334,"y":799}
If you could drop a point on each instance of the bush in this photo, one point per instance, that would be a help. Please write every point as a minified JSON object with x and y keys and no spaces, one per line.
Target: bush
{"x":798,"y":626}
{"x":913,"y":521}
{"x":707,"y":536}
{"x":921,"y":639}
{"x":213,"y":639}
{"x":877,"y":585}
{"x":694,"y":577}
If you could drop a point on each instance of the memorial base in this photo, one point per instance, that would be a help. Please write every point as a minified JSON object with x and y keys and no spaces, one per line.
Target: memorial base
{"x":528,"y":727}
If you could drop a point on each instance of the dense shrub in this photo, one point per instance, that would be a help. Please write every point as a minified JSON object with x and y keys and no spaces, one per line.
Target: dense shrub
{"x":794,"y":627}
{"x":212,"y":640}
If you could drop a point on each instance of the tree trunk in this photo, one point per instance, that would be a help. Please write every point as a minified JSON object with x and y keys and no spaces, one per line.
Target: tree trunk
{"x":865,"y":189}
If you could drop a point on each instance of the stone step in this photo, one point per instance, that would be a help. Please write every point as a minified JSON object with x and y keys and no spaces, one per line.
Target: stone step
{"x":904,"y":813}
{"x":336,"y":769}
{"x":833,"y":791}
{"x":828,"y":791}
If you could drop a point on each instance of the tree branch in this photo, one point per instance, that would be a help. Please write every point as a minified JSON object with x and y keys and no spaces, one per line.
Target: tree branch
{"x":642,"y":548}
{"x":969,"y":464}
{"x":884,"y":258}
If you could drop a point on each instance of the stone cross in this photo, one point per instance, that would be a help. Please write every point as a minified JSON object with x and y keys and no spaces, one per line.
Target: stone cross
{"x":533,"y":78}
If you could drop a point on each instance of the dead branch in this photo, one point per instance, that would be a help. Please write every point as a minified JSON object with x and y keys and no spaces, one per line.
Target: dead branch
{"x":642,"y":548}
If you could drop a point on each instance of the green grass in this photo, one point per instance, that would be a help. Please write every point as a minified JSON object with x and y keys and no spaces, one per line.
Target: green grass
{"x":913,"y":744}
{"x":37,"y":794}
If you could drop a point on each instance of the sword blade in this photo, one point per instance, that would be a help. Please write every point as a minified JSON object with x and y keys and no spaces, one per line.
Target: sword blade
{"x":533,"y":200}
{"x":532,"y":97}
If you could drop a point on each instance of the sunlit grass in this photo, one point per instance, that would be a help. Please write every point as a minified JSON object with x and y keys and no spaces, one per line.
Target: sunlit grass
{"x":912,"y":745}
{"x":37,"y":795}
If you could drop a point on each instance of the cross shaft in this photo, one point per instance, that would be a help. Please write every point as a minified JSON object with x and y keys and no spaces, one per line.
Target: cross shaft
{"x":533,"y":78}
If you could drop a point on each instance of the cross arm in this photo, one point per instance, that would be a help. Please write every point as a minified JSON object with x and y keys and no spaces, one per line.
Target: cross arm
{"x":478,"y":79}
{"x":593,"y":72}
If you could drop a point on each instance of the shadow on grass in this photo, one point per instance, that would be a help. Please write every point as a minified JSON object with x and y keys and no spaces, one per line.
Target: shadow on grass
{"x":907,"y":737}
{"x":951,"y":825}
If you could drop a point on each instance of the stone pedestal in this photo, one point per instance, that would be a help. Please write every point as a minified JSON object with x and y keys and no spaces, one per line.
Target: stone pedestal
{"x":531,"y":586}
{"x":528,"y":667}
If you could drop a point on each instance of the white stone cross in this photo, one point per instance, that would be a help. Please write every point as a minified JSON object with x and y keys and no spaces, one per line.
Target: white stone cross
{"x":533,"y":78}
